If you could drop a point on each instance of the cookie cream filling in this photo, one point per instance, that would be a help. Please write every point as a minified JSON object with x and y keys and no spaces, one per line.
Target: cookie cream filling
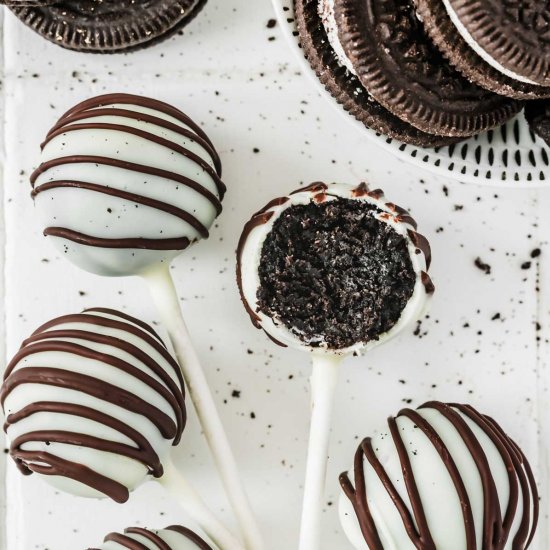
{"x":325,"y":10}
{"x":470,"y":40}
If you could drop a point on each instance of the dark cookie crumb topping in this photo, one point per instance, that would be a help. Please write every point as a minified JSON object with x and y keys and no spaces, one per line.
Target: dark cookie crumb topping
{"x":334,"y":274}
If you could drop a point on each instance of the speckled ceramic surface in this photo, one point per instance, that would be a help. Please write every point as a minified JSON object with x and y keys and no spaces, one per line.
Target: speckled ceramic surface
{"x":485,"y":340}
{"x":510,"y":156}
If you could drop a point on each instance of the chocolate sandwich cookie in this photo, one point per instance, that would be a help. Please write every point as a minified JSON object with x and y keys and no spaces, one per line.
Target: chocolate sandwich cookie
{"x":513,"y":36}
{"x":110,"y":26}
{"x":461,"y":55}
{"x":346,"y":88}
{"x":402,"y":69}
{"x":537,"y":114}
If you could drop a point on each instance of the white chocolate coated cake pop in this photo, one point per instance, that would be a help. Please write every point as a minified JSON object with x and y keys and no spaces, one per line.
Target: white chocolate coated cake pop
{"x":93,"y":403}
{"x":174,"y":537}
{"x":333,"y":268}
{"x":126,"y":182}
{"x":440,"y":477}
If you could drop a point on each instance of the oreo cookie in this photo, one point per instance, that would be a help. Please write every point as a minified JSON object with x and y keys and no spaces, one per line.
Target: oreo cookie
{"x":461,"y":55}
{"x":346,"y":88}
{"x":402,"y":69}
{"x":537,"y":114}
{"x":109,"y":26}
{"x":513,"y":36}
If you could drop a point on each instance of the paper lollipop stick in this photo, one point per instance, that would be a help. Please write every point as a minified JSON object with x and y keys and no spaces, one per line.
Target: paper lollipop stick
{"x":175,"y":537}
{"x":324,"y":381}
{"x":332,"y":270}
{"x":125,"y":185}
{"x":93,"y":403}
{"x":165,"y":297}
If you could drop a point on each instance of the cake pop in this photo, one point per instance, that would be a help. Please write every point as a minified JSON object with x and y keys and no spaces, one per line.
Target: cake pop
{"x":93,"y":403}
{"x":333,"y":270}
{"x":174,"y":537}
{"x":125,"y":184}
{"x":441,"y":476}
{"x":148,"y":176}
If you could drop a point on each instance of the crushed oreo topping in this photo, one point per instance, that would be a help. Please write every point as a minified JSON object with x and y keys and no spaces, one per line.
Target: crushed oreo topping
{"x":333,"y":274}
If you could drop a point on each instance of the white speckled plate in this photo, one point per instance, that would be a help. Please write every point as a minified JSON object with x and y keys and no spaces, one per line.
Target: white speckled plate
{"x":510,"y":156}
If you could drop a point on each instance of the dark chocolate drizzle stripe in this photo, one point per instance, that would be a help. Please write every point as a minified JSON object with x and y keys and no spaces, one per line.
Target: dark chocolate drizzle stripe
{"x":46,"y":340}
{"x":143,"y":451}
{"x":517,"y":463}
{"x":175,"y":147}
{"x":47,"y":464}
{"x":173,"y":394}
{"x":168,"y":390}
{"x":125,"y":165}
{"x":92,"y":386}
{"x":260,"y":218}
{"x":130,"y":99}
{"x":149,"y":535}
{"x":126,"y":541}
{"x":496,"y":530}
{"x":134,"y":115}
{"x":193,"y":537}
{"x":140,"y":324}
{"x":139,"y":199}
{"x":141,"y":330}
{"x":138,"y":243}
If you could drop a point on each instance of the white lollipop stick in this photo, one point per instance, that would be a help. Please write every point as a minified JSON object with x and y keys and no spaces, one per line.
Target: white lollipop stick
{"x":164,"y":294}
{"x":324,"y":381}
{"x":176,"y":484}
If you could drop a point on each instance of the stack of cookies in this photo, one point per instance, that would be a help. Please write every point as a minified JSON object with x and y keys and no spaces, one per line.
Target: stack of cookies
{"x":431,"y":72}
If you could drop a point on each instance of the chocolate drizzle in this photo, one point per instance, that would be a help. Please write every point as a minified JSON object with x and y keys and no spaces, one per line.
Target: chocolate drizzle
{"x":127,"y":541}
{"x":496,"y":529}
{"x":82,"y":118}
{"x":59,"y":337}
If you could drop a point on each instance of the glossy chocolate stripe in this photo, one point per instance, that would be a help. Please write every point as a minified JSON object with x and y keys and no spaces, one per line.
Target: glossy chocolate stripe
{"x":100,"y":321}
{"x":183,"y":151}
{"x":193,"y":537}
{"x":453,"y":472}
{"x":125,"y":542}
{"x":147,"y":454}
{"x":83,"y":440}
{"x":49,"y":465}
{"x":78,"y":350}
{"x":91,"y":386}
{"x":176,"y":398}
{"x":130,"y":99}
{"x":260,"y":218}
{"x":515,"y":463}
{"x":125,"y":165}
{"x":492,"y":517}
{"x":139,"y":199}
{"x":143,"y":244}
{"x":423,"y":539}
{"x":132,"y":320}
{"x":497,"y":530}
{"x":149,"y":535}
{"x":358,"y":498}
{"x":141,"y":117}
